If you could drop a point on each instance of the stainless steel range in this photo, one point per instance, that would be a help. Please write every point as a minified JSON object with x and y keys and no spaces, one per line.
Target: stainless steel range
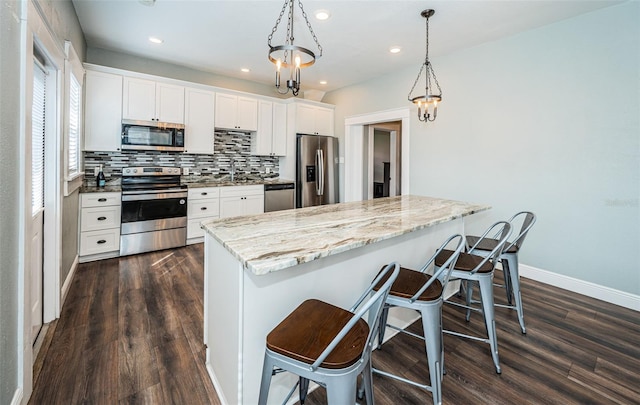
{"x":154,"y":210}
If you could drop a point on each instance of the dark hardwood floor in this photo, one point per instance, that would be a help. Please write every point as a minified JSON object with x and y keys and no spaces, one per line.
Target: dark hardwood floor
{"x":131,"y":333}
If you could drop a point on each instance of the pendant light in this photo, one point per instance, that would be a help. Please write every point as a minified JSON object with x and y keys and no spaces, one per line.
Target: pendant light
{"x":290,"y":56}
{"x":427,"y":103}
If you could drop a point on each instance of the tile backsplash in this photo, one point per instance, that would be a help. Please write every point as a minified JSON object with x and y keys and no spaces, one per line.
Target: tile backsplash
{"x":227,"y":146}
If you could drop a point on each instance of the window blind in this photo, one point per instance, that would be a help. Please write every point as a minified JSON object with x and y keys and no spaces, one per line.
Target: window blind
{"x":37,"y":138}
{"x":75,"y":94}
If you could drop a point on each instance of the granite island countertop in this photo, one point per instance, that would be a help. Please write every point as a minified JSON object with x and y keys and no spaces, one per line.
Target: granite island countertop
{"x":278,"y":240}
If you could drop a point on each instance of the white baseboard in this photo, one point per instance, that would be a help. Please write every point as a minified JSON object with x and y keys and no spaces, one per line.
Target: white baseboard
{"x":17,"y":397}
{"x":214,"y":380}
{"x":613,"y":296}
{"x":67,"y":282}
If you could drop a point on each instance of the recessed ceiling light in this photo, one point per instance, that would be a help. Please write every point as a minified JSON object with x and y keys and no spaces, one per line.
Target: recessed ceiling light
{"x":323,"y":82}
{"x":322,"y":15}
{"x":155,"y":40}
{"x":395,"y":49}
{"x":245,"y":70}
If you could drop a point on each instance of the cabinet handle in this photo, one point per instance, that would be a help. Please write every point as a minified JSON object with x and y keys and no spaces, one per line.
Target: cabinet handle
{"x":101,"y":241}
{"x":203,"y":193}
{"x":101,"y":218}
{"x":102,"y":199}
{"x":203,"y":208}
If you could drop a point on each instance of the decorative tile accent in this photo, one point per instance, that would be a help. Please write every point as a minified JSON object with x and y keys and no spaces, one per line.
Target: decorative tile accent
{"x":229,"y":146}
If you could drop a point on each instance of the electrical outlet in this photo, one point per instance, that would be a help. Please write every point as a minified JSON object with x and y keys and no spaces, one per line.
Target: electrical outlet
{"x":268,"y":170}
{"x":96,"y":170}
{"x":185,"y":171}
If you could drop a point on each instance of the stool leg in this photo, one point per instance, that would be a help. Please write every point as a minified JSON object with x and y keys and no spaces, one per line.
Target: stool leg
{"x":469,"y":298}
{"x":432,"y":329}
{"x":367,"y":379}
{"x":382,"y":325}
{"x":342,"y":389}
{"x":303,"y":388}
{"x":507,"y":280}
{"x":267,"y":370}
{"x":512,"y":264}
{"x":486,"y":294}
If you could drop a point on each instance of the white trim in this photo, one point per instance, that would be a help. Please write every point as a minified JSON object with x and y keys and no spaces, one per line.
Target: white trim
{"x":607,"y":294}
{"x":67,"y":282}
{"x":216,"y":383}
{"x":17,"y":397}
{"x":353,"y":133}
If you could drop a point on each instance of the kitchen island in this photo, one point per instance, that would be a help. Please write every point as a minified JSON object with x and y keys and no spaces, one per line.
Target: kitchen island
{"x":259,"y":268}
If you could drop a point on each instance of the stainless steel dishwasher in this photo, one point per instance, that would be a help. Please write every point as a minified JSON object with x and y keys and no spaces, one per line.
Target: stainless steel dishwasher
{"x":279,"y":197}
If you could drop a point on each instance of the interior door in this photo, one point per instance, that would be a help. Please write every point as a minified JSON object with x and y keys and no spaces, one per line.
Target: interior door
{"x":38,"y":127}
{"x":36,"y":274}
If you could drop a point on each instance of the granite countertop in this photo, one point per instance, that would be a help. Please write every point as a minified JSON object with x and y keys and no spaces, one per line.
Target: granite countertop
{"x":274,"y":241}
{"x":196,"y":182}
{"x":225,"y":181}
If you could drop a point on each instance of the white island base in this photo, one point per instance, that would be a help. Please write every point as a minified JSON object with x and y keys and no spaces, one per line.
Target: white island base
{"x":240,"y":307}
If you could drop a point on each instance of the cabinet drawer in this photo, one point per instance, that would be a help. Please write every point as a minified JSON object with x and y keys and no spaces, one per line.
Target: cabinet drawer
{"x":241,"y":191}
{"x":95,"y":242}
{"x":99,"y":199}
{"x":203,"y":208}
{"x":204,"y":192}
{"x":99,"y":218}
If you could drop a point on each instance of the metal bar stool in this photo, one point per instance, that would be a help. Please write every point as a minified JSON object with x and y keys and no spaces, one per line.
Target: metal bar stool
{"x":419,"y":291}
{"x":474,"y":268}
{"x":329,"y":345}
{"x":509,"y":260}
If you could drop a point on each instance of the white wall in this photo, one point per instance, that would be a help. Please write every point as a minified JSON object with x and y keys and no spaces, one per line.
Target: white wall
{"x":547,"y":121}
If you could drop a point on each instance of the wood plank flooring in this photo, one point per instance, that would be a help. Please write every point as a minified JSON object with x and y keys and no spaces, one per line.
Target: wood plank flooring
{"x":131,"y":333}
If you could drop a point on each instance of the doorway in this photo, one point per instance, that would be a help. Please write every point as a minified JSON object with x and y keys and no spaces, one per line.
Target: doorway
{"x":384,"y":160}
{"x":360,"y":150}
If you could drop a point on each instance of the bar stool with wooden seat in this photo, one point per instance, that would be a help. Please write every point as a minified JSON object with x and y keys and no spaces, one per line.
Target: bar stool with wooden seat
{"x":424,"y":293}
{"x":509,"y":260}
{"x":327,"y":344}
{"x":474,"y":268}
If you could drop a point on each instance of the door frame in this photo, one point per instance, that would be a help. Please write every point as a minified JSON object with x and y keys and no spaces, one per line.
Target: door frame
{"x":354,"y":142}
{"x":36,"y":32}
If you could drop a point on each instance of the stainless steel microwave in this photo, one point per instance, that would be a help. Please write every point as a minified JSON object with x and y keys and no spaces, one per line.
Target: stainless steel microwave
{"x":152,"y":135}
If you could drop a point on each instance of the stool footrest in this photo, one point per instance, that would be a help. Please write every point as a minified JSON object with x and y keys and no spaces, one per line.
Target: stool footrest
{"x":395,"y":377}
{"x":415,"y":335}
{"x":450,"y":332}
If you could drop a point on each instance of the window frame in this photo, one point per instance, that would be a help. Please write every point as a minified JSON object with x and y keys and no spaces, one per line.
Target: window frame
{"x":73,"y":71}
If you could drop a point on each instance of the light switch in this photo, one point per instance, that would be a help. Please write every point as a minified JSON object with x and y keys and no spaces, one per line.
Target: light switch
{"x":185,"y":171}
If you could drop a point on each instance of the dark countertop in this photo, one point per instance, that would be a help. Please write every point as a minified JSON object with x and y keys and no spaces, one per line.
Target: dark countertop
{"x":196,"y":182}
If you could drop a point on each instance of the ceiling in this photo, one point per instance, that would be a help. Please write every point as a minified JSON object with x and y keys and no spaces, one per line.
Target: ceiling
{"x":224,"y":36}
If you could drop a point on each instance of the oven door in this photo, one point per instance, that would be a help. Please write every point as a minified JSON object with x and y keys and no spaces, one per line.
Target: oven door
{"x":153,"y":211}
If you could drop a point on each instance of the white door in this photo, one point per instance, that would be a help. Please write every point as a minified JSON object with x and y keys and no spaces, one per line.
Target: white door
{"x":37,"y":196}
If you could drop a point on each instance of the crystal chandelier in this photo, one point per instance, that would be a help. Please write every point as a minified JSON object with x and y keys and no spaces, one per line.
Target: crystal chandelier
{"x":290,"y":56}
{"x":427,"y":103}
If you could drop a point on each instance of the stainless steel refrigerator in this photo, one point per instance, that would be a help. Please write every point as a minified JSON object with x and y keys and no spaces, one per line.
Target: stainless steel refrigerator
{"x":316,"y":170}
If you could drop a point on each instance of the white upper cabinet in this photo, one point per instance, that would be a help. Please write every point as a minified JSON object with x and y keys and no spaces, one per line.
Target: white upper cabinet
{"x":312,"y":119}
{"x":103,"y":111}
{"x":199,"y":123}
{"x":236,"y":112}
{"x":147,"y":100}
{"x":271,"y":137}
{"x":263,"y":138}
{"x":279,"y":143}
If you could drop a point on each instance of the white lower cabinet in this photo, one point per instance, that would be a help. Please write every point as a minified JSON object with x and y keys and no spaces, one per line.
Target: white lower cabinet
{"x":203,"y":204}
{"x":241,"y":200}
{"x":99,"y":225}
